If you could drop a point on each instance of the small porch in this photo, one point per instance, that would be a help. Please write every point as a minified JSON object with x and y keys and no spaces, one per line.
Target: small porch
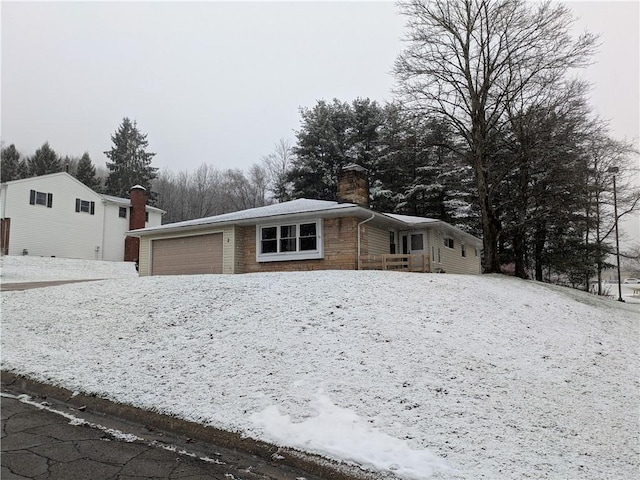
{"x":395,"y":261}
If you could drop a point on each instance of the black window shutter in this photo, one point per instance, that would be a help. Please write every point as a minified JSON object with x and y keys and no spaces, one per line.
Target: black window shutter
{"x":93,"y":208}
{"x":32,"y":197}
{"x":49,"y":200}
{"x":77,"y":204}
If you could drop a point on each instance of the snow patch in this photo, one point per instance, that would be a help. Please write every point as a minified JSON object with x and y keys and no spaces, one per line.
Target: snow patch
{"x":341,"y":433}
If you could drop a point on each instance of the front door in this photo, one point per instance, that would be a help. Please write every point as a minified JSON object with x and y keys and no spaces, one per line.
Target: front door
{"x":413,"y":243}
{"x":416,"y":244}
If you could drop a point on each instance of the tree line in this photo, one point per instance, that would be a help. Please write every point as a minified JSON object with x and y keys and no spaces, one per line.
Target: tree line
{"x":488,"y":131}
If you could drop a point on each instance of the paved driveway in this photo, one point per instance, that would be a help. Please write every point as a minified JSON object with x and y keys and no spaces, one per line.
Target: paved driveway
{"x":38,"y":443}
{"x":7,"y":287}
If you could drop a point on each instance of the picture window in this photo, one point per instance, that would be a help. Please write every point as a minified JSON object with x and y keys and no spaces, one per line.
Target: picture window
{"x":289,"y":242}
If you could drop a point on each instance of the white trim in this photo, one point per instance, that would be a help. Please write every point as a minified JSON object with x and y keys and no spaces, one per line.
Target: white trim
{"x":318,"y":253}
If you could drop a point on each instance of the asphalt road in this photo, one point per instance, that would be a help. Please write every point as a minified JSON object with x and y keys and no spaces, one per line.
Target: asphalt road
{"x":43,"y":441}
{"x":8,"y":287}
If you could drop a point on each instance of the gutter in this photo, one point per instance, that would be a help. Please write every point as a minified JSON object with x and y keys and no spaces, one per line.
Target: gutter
{"x":362,"y":223}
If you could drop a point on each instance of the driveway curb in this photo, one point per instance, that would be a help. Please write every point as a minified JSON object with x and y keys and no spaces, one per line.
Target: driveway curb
{"x":312,"y":464}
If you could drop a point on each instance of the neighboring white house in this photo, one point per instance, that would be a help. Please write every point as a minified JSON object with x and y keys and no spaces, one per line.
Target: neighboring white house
{"x":56,"y":215}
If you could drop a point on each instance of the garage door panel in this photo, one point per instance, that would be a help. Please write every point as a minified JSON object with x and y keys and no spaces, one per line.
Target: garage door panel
{"x":200,"y":254}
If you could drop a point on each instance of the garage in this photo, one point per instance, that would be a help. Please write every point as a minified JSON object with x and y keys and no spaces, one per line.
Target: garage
{"x":197,"y":254}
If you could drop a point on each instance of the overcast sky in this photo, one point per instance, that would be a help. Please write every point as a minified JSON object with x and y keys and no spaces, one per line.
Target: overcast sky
{"x":221,"y":82}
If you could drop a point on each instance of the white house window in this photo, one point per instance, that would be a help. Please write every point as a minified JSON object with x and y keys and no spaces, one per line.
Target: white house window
{"x":463,"y":249}
{"x":122,"y":212}
{"x":41,"y":198}
{"x":85,"y":206}
{"x":448,"y":242}
{"x":292,"y":241}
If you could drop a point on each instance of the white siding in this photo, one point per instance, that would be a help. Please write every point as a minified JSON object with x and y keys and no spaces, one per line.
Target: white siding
{"x":452,"y":260}
{"x":116,"y":228}
{"x":57,"y":231}
{"x":61,"y":231}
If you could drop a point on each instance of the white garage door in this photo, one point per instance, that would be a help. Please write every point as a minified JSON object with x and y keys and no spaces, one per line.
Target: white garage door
{"x":187,"y":255}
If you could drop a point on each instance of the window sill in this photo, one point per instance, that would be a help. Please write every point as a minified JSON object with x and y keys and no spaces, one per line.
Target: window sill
{"x":284,"y":257}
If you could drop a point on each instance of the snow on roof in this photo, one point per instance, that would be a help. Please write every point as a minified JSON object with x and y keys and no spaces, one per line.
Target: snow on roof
{"x":300,"y":206}
{"x":297,"y":207}
{"x":410,"y":219}
{"x":125,"y":201}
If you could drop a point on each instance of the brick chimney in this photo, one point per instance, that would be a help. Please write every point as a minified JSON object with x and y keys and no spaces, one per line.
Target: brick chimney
{"x":353,"y":185}
{"x":138,"y":196}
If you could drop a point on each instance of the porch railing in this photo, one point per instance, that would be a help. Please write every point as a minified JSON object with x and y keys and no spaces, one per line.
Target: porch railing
{"x":396,"y":261}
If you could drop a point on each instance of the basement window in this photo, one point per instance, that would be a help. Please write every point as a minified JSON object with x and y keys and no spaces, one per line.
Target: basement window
{"x":291,"y":241}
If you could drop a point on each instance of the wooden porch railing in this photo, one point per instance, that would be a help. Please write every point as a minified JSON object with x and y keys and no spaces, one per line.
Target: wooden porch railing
{"x":396,"y":261}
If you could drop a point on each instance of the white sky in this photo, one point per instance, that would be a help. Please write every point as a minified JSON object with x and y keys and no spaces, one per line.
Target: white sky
{"x":221,"y":82}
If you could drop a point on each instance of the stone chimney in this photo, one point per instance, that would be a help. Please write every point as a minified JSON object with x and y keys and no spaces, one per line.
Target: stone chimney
{"x":137,"y":216}
{"x":353,"y":185}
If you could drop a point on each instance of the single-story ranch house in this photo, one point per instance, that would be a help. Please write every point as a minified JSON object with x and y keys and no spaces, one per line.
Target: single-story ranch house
{"x":56,"y":215}
{"x":308,"y":234}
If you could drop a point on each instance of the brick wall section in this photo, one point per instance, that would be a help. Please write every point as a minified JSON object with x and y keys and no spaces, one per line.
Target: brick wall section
{"x":240,"y":250}
{"x":340,"y":237}
{"x":136,"y":220}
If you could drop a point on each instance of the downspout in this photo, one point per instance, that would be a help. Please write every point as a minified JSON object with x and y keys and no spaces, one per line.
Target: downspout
{"x":362,"y":223}
{"x":104,"y":227}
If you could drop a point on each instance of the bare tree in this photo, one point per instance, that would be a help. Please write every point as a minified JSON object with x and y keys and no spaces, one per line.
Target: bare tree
{"x":278,"y":164}
{"x":467,"y":60}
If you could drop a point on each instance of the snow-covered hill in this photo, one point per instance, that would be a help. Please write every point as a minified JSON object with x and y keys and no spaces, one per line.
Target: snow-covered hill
{"x":424,"y":376}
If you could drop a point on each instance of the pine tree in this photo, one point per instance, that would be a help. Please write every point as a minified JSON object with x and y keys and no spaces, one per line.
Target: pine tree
{"x":44,"y":161}
{"x":130,"y":162}
{"x":86,"y":173}
{"x":10,"y":164}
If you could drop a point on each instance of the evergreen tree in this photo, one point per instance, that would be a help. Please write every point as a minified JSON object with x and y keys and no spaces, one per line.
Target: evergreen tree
{"x":332,"y":136}
{"x":130,"y":162}
{"x":321,"y":150}
{"x":10,"y":164}
{"x":86,"y":173}
{"x":44,"y":161}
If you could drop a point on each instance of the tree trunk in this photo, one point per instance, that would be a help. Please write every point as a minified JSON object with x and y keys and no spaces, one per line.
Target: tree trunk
{"x":540,"y":239}
{"x":491,"y":227}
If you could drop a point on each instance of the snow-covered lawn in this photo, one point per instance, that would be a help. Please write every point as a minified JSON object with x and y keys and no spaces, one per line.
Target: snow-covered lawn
{"x":424,"y":376}
{"x":14,"y":269}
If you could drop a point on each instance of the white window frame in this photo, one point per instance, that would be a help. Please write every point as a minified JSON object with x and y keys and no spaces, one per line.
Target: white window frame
{"x":297,"y":255}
